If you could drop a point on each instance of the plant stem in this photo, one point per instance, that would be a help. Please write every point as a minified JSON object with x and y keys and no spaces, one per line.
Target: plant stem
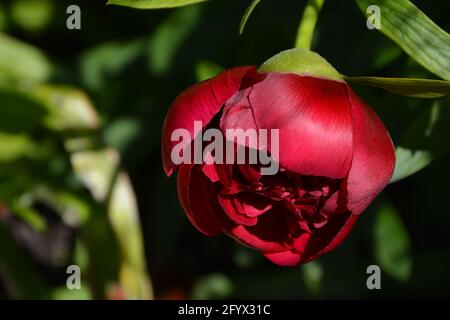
{"x":308,"y":23}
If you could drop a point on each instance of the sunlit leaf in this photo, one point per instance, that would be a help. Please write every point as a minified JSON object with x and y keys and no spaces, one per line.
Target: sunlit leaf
{"x":392,"y":243}
{"x":308,"y":23}
{"x":419,"y":88}
{"x":67,"y":108}
{"x":20,"y":61}
{"x":415,"y":33}
{"x":32,"y":15}
{"x":15,"y":146}
{"x":98,"y":170}
{"x":154,"y":4}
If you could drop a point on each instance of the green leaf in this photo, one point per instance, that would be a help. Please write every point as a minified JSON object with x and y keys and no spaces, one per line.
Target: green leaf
{"x":214,"y":286}
{"x":98,"y":169}
{"x":419,"y":88}
{"x":427,"y":139}
{"x":415,"y":33}
{"x":206,"y":69}
{"x":170,"y":36}
{"x":19,"y":112}
{"x":19,"y":60}
{"x":307,"y":24}
{"x":14,"y":146}
{"x":247,"y":14}
{"x":67,"y":108}
{"x":153,"y":4}
{"x":99,"y":64}
{"x":392,"y":243}
{"x":32,"y":15}
{"x":312,"y":274}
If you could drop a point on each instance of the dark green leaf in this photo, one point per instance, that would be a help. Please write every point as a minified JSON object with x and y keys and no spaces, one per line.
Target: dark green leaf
{"x":169,"y":37}
{"x":25,"y":279}
{"x":415,"y":33}
{"x":247,"y":14}
{"x":19,"y":112}
{"x":154,"y":4}
{"x":392,"y":244}
{"x":426,"y":139}
{"x":419,"y":88}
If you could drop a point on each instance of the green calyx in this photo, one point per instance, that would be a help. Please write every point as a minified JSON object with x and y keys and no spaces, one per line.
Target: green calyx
{"x":302,"y":62}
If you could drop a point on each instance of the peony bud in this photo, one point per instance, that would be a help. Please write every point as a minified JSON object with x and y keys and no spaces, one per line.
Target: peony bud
{"x":331,"y":153}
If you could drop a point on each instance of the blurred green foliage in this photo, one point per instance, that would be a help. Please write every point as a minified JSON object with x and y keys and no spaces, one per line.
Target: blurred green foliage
{"x":81,"y":180}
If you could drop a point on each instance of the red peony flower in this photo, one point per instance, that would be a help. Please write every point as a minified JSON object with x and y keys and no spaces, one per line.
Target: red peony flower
{"x":333,"y":154}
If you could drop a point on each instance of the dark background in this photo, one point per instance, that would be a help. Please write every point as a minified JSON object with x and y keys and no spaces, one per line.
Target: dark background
{"x":133,"y":63}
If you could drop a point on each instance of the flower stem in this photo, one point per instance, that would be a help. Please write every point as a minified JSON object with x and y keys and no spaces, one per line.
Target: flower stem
{"x":308,"y":23}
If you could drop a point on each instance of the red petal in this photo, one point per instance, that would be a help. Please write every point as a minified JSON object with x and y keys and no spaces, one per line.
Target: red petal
{"x":234,"y":210}
{"x":284,"y":258}
{"x":198,"y":205}
{"x":314,"y":119}
{"x":373,"y":156}
{"x":330,"y":236}
{"x":254,"y":240}
{"x":200,"y":102}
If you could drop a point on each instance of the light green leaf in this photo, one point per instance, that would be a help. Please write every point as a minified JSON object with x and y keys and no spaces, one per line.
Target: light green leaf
{"x":206,"y":69}
{"x":32,"y":15}
{"x":415,"y":33}
{"x":20,"y":61}
{"x":427,"y":139}
{"x":247,"y":14}
{"x":67,"y":108}
{"x":14,"y":146}
{"x":98,"y":169}
{"x":419,"y":88}
{"x":153,"y":4}
{"x":392,"y":243}
{"x":307,"y":24}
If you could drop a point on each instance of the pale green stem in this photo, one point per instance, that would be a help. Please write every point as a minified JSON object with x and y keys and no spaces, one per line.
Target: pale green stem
{"x":308,"y":23}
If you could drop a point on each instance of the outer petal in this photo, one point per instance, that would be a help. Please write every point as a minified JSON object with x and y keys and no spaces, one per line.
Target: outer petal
{"x":330,"y":236}
{"x":373,"y":156}
{"x":200,"y":102}
{"x":284,"y":258}
{"x":314,"y":119}
{"x":195,"y":192}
